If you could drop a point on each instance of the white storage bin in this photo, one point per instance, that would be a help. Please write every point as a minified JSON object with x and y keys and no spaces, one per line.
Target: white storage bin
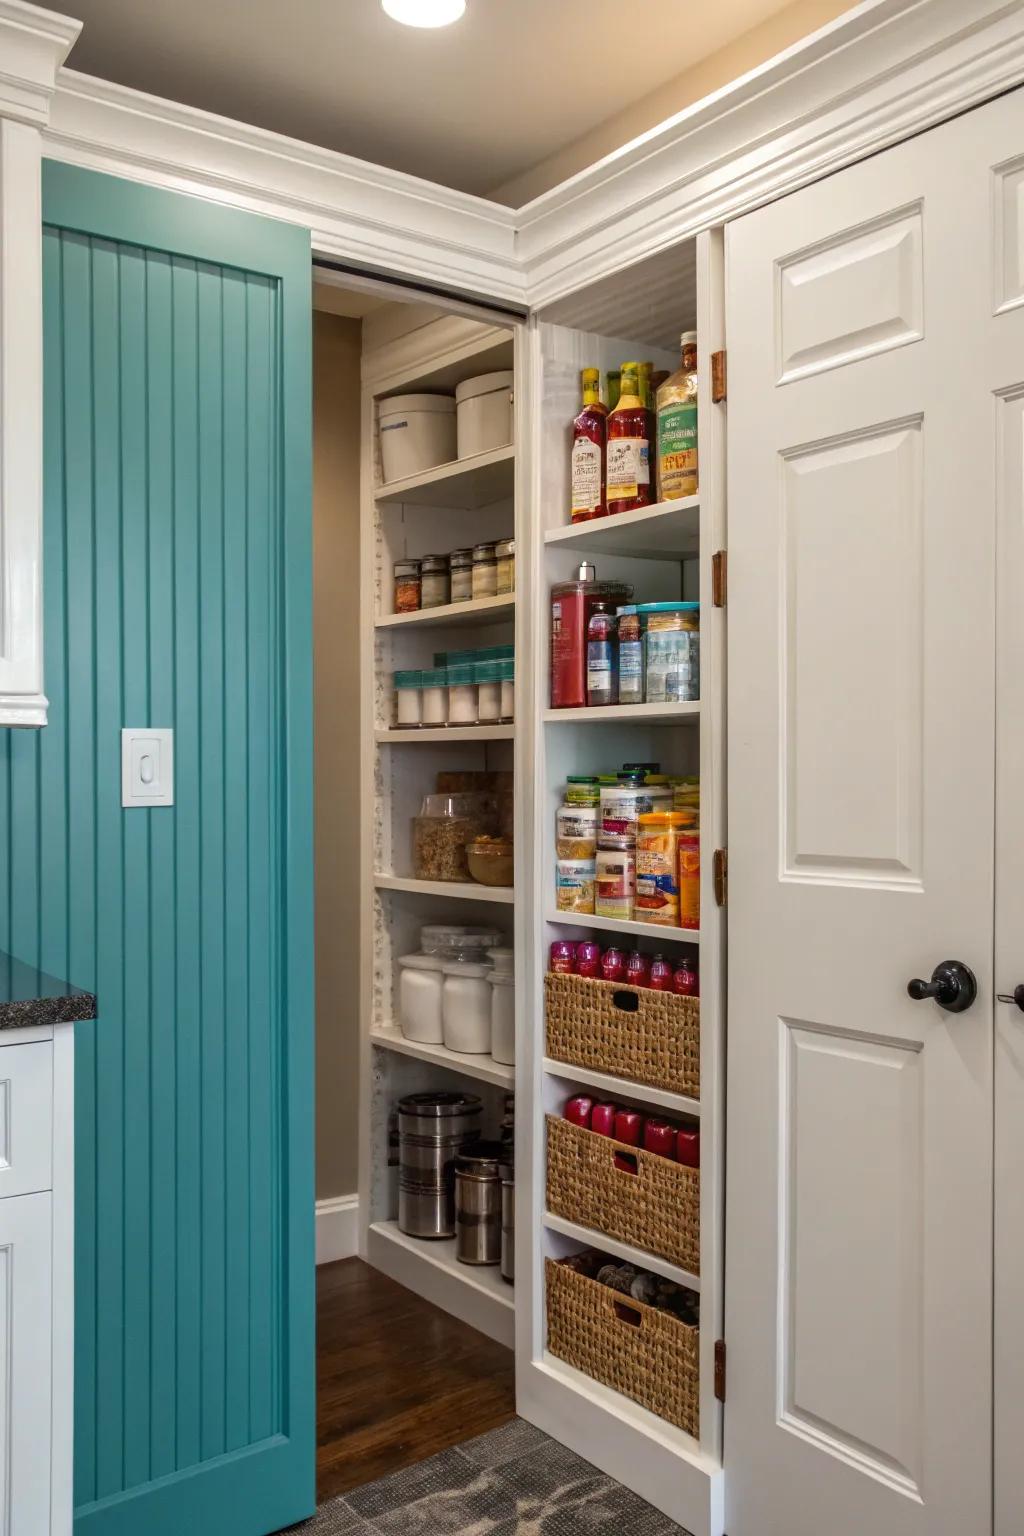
{"x":420,"y":987}
{"x":417,"y":432}
{"x":485,"y":413}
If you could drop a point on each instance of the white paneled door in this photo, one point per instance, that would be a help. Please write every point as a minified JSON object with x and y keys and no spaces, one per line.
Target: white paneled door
{"x":876,"y":390}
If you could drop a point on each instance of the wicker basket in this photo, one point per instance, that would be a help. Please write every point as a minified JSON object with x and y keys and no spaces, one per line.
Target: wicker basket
{"x":650,"y":1037}
{"x":656,"y":1208}
{"x":644,"y":1353}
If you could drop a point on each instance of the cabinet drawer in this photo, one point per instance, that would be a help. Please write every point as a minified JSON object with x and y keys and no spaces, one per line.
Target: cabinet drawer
{"x":26,"y":1118}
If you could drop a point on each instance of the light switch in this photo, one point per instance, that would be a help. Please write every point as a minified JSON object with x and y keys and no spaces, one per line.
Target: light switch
{"x":147,"y":766}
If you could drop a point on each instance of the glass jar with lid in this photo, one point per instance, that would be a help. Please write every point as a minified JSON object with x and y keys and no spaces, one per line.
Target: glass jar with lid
{"x":485,"y":571}
{"x":434,"y":586}
{"x":460,"y":567}
{"x":488,"y":680}
{"x":407,"y":586}
{"x":434,"y":696}
{"x":462,"y":694}
{"x":505,"y":555}
{"x":408,"y":699}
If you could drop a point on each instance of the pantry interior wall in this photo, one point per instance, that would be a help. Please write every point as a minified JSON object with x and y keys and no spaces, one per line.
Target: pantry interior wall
{"x":337,"y":345}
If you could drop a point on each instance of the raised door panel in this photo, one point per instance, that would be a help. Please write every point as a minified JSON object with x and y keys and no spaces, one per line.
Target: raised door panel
{"x":25,"y":1365}
{"x":26,"y":1118}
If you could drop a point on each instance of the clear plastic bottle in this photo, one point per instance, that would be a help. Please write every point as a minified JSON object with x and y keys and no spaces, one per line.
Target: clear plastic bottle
{"x":602,"y":656}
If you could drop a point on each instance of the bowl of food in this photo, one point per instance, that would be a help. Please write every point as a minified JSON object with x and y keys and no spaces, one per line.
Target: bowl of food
{"x":491,"y":860}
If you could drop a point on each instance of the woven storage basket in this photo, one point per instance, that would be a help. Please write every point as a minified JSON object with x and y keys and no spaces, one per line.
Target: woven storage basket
{"x":650,"y":1037}
{"x":644,"y":1353}
{"x":657,"y":1208}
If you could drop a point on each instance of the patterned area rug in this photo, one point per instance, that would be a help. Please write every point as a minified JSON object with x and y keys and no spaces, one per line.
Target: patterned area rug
{"x":514,"y":1481}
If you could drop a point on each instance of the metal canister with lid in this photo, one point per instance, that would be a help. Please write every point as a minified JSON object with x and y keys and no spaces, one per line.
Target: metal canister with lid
{"x":478,"y":1174}
{"x":433,"y":1128}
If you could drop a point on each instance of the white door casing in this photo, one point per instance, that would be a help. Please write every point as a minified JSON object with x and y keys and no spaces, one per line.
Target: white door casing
{"x":863,"y":402}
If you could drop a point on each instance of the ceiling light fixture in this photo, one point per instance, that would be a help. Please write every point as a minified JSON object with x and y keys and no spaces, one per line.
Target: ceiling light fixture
{"x":424,"y":13}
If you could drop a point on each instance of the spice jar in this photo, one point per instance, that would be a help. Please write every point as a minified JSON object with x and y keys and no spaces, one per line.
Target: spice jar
{"x":434,"y":696}
{"x":434,"y":588}
{"x":462,"y":694}
{"x":485,"y":571}
{"x":407,"y":586}
{"x":488,"y":681}
{"x":507,"y":674}
{"x":505,"y":555}
{"x":460,"y":570}
{"x":408,"y":698}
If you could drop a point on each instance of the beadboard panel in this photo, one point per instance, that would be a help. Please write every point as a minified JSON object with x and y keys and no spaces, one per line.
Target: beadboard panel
{"x":169,"y":569}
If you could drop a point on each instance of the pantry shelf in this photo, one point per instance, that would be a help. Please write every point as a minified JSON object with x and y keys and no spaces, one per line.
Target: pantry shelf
{"x":624,"y":925}
{"x":622,"y":1087}
{"x":668,"y":531}
{"x":480,"y":610}
{"x":484,"y":1068}
{"x":476,"y":1293}
{"x":648,"y":714}
{"x":415,"y":735}
{"x":493,"y":351}
{"x":659,"y":1435}
{"x":462,"y":890}
{"x":624,"y":1251}
{"x":464,"y":483}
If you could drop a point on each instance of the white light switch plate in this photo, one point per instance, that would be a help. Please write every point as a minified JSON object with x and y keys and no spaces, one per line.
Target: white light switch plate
{"x":147,"y":766}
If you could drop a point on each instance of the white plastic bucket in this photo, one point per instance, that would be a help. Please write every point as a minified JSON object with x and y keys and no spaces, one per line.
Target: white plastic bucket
{"x":485,"y":413}
{"x":417,"y":432}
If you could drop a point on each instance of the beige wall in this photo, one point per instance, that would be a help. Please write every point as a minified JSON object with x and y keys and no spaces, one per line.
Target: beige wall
{"x":336,"y":352}
{"x":709,"y":74}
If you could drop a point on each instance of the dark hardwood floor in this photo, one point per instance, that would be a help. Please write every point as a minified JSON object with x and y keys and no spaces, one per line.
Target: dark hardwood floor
{"x":397,"y":1379}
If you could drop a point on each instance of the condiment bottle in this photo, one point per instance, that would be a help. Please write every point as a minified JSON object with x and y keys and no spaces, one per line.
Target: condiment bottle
{"x":602,"y":1118}
{"x":661,"y":975}
{"x":688,"y":1147}
{"x":563,"y":957}
{"x":660,"y":1138}
{"x":578,"y":1109}
{"x":602,"y":657}
{"x":631,"y":656}
{"x":628,"y":473}
{"x":629,"y":1125}
{"x":613,"y":965}
{"x":677,"y":426}
{"x":638,"y":969}
{"x":686,"y":981}
{"x":588,"y":958}
{"x":589,"y":436}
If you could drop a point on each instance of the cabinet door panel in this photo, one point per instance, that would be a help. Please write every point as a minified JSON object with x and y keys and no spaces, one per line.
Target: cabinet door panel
{"x":25,"y":1365}
{"x":26,"y":1118}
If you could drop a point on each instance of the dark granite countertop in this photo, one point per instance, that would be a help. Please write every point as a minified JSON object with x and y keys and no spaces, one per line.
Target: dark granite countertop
{"x":30,"y":996}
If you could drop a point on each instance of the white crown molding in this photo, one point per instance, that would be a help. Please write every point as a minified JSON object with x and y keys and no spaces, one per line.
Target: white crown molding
{"x":33,"y":45}
{"x":883,"y":71}
{"x":358,"y":213}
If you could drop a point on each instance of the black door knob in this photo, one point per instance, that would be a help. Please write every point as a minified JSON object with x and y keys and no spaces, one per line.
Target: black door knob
{"x":1016,"y":996}
{"x":952,"y":986}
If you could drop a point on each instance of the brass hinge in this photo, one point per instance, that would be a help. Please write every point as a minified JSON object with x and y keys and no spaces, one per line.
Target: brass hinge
{"x":718,"y":390}
{"x":720,"y":866}
{"x":719,"y":577}
{"x":720,"y":1370}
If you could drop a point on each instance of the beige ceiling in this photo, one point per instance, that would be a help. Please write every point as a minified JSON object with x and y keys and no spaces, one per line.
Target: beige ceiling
{"x":471,"y":106}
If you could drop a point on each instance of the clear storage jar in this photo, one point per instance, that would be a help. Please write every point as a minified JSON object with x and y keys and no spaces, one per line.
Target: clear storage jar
{"x":507,"y":674}
{"x":408,"y":699}
{"x":445,"y":825}
{"x":408,"y":586}
{"x":434,"y":696}
{"x":505,"y":555}
{"x":434,"y":583}
{"x":485,"y":571}
{"x":671,"y":652}
{"x":453,"y":941}
{"x":488,"y":682}
{"x":463,"y":695}
{"x":460,"y":570}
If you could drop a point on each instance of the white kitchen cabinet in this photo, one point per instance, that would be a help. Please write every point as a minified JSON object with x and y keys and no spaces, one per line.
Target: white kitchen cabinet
{"x":26,"y":1361}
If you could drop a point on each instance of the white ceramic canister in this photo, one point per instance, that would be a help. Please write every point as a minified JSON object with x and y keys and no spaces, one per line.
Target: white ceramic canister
{"x":503,"y":1018}
{"x":420,"y":987}
{"x":484,"y":413}
{"x":466,"y":1007}
{"x":417,"y":432}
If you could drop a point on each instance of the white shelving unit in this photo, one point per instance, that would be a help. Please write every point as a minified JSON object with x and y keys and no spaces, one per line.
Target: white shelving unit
{"x":451,"y":506}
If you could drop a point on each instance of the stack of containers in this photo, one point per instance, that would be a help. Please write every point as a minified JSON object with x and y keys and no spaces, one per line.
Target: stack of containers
{"x":462,"y":688}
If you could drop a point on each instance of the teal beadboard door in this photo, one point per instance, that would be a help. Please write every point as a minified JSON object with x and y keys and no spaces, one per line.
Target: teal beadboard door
{"x":177,"y":591}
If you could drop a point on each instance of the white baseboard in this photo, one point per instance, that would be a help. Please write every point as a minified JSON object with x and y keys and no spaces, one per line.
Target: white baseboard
{"x":337,"y":1228}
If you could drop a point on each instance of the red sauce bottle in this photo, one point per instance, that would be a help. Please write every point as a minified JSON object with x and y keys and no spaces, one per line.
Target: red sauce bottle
{"x":613,"y":965}
{"x":661,"y":975}
{"x":686,"y":981}
{"x":588,"y":958}
{"x":589,"y":436}
{"x":628,"y":471}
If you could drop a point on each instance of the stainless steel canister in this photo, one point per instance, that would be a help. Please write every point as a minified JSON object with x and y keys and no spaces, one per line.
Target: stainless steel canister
{"x":508,"y":1224}
{"x":432,"y":1129}
{"x":478,"y":1203}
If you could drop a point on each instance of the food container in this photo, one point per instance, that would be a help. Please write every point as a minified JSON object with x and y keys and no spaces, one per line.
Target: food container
{"x":671,"y":652}
{"x":622,"y":804}
{"x":484,"y":406}
{"x":576,"y":831}
{"x":434,"y":582}
{"x":503,"y":1014}
{"x":631,"y":657}
{"x":453,"y":942}
{"x":688,"y":1147}
{"x":434,"y":696}
{"x":562,"y":957}
{"x":491,"y":860}
{"x":507,"y":676}
{"x":445,"y":825}
{"x":460,"y":571}
{"x":488,"y":682}
{"x":432,"y":1129}
{"x":466,"y":1007}
{"x":579,"y":1109}
{"x":629,"y":1124}
{"x":657,"y":867}
{"x":409,"y":699}
{"x":485,"y":571}
{"x":689,"y":877}
{"x":508,"y":1224}
{"x":572,"y":603}
{"x":581,"y":789}
{"x":408,"y":586}
{"x":603,"y":1117}
{"x":478,"y":1170}
{"x":574,"y":885}
{"x":420,"y":983}
{"x":463,"y":696}
{"x":417,"y":432}
{"x":588,"y":958}
{"x":614,"y":883}
{"x":505,"y":555}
